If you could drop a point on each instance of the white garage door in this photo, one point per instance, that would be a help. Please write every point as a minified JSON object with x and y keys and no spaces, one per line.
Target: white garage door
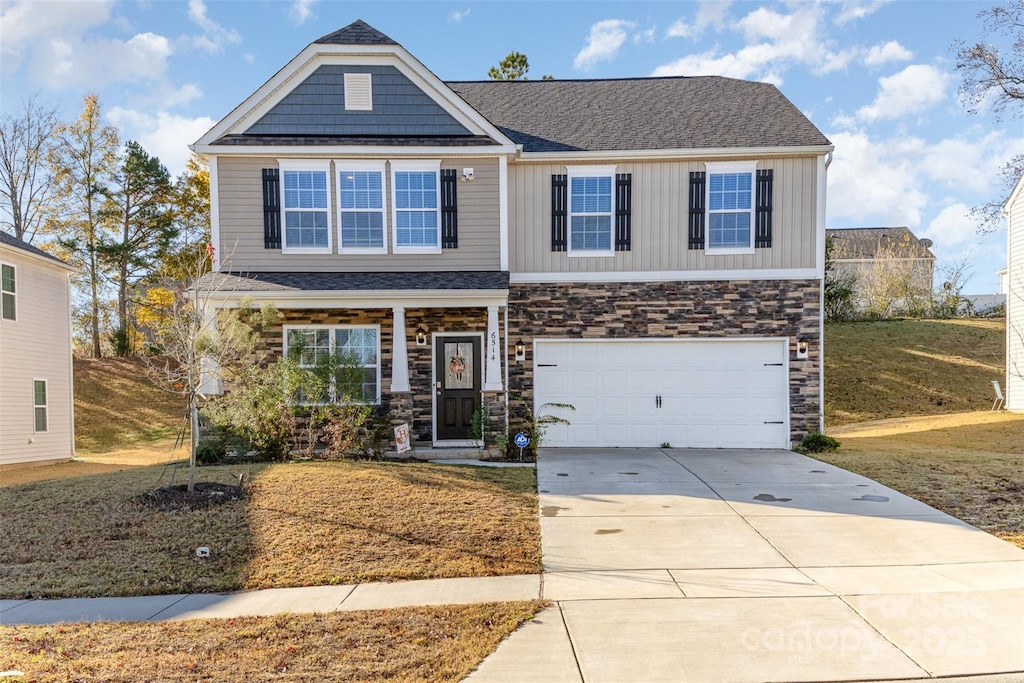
{"x":690,"y":394}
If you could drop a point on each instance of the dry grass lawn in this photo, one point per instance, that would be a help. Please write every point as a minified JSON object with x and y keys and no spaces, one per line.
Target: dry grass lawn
{"x":411,"y":644}
{"x":970,"y":465}
{"x":900,"y":368}
{"x":302,"y":524}
{"x":158,"y":453}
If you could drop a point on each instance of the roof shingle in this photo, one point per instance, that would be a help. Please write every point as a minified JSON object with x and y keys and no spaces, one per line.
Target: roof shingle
{"x":356,"y":33}
{"x":12,"y":241}
{"x":868,"y":243}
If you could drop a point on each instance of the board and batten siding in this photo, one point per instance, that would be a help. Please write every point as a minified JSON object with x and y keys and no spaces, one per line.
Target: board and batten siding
{"x":1015,"y":304}
{"x":660,"y":220}
{"x":240,"y":187}
{"x":36,"y":346}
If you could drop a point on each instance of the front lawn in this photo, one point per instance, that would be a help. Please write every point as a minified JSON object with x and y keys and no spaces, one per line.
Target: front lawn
{"x":410,"y":644}
{"x":302,"y":524}
{"x":970,"y":465}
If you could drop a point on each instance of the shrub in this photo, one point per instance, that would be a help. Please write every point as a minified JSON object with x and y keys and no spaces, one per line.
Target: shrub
{"x":816,"y":442}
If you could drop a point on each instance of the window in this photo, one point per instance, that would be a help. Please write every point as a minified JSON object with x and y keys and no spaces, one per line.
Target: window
{"x":361,"y":207}
{"x":591,"y":206}
{"x":730,"y":202}
{"x":416,"y":216}
{"x":39,"y":403}
{"x":306,"y":205}
{"x":9,"y":292}
{"x":360,"y":342}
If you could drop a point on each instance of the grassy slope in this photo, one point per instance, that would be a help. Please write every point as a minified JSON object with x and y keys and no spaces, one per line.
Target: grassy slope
{"x":901,"y":368}
{"x":116,"y":407}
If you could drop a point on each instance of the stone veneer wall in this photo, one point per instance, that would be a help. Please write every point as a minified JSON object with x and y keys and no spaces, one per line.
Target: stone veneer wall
{"x":771,"y":308}
{"x":417,"y":407}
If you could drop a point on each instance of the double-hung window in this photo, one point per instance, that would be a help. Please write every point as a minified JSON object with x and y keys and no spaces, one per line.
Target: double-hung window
{"x":416,"y":216}
{"x":591,"y":207}
{"x":730,"y":207}
{"x":9,"y":289}
{"x":361,"y":207}
{"x":306,"y":206}
{"x":39,"y":404}
{"x":357,"y":344}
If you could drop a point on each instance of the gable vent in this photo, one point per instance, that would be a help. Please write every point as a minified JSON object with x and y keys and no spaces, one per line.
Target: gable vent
{"x":358,"y":93}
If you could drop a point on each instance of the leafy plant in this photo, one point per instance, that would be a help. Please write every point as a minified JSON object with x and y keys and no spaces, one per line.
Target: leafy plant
{"x":816,"y":442}
{"x":665,"y":444}
{"x":480,"y":423}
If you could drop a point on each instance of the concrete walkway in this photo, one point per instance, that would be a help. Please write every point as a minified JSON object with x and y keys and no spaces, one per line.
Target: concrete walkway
{"x":756,"y":566}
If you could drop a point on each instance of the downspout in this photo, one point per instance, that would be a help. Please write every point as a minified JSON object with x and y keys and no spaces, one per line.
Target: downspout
{"x":821,"y":305}
{"x":71,"y":369}
{"x":508,"y":392}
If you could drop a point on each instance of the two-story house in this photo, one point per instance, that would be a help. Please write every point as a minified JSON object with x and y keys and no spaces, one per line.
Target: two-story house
{"x":649,"y":251}
{"x":1013,"y":280}
{"x":36,"y":403}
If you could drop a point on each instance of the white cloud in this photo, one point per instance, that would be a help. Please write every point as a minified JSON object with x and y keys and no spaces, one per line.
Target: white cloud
{"x":603,"y":43}
{"x":179,"y":97}
{"x":26,"y":25}
{"x":163,"y":135}
{"x":885,"y":53}
{"x":645,"y":36}
{"x":214,"y":36}
{"x":249,"y":57}
{"x":712,"y":13}
{"x":301,"y":11}
{"x":73,"y":63}
{"x":458,"y":15}
{"x":708,"y":64}
{"x":851,"y":10}
{"x":680,"y":29}
{"x":952,"y":226}
{"x":911,"y":91}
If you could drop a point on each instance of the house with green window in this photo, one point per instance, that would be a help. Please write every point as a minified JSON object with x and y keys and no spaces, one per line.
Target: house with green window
{"x":36,"y":409}
{"x":649,"y":251}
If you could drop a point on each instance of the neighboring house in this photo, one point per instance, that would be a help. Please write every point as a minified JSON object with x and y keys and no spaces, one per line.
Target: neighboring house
{"x":1004,"y":285}
{"x":36,"y":409}
{"x":1014,"y":210}
{"x":885,"y":262}
{"x":649,"y":250}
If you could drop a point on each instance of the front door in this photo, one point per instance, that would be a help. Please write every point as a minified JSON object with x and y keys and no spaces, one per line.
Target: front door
{"x":457,"y":385}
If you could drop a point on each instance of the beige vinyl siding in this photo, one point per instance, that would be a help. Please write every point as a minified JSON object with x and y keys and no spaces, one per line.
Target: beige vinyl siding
{"x":36,"y":346}
{"x":660,"y":220}
{"x":1015,"y":307}
{"x":240,"y":184}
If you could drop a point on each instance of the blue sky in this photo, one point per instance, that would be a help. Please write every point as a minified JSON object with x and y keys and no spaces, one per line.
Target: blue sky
{"x":878,"y":78}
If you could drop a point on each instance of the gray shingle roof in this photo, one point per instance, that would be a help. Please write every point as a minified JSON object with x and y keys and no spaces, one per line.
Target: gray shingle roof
{"x":640,"y":113}
{"x":356,"y":33}
{"x":278,"y":282}
{"x":361,"y":140}
{"x":12,"y":241}
{"x":867,"y":243}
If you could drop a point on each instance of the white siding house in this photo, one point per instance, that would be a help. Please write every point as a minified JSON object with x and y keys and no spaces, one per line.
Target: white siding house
{"x":36,"y":410}
{"x":1014,"y":210}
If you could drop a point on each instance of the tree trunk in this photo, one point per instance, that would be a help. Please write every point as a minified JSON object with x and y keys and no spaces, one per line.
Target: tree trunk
{"x":93,"y":277}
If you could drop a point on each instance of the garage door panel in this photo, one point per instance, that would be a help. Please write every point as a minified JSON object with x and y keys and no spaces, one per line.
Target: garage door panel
{"x":713,"y":393}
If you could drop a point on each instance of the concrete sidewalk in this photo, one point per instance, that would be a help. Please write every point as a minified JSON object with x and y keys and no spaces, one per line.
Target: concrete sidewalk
{"x":312,"y":599}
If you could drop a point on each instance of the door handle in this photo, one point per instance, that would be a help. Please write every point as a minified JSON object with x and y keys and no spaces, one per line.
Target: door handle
{"x":657,"y":401}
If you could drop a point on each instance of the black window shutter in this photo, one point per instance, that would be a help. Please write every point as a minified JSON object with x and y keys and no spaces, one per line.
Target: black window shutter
{"x":271,"y":208}
{"x":559,"y":201}
{"x":697,"y":214}
{"x":449,"y":209}
{"x":763,"y":215}
{"x":623,"y":211}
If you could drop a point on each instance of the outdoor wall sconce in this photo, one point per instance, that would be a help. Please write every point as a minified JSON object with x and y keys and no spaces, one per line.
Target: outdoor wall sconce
{"x":801,"y":349}
{"x":520,"y":350}
{"x":421,"y":337}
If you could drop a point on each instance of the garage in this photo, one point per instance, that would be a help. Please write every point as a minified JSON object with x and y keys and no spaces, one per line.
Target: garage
{"x":708,"y":393}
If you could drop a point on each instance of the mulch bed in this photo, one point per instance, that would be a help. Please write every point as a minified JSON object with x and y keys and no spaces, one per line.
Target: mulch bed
{"x":205,"y":494}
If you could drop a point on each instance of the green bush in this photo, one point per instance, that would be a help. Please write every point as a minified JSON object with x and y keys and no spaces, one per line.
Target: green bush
{"x":816,"y":442}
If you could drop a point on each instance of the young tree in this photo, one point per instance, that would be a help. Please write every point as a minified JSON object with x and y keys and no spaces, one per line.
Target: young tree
{"x":137,"y":211}
{"x":995,"y":78}
{"x":82,"y":163}
{"x":27,"y":197}
{"x":513,"y":68}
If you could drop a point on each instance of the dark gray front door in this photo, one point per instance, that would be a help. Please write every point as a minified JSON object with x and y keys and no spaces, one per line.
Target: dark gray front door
{"x":457,"y":373}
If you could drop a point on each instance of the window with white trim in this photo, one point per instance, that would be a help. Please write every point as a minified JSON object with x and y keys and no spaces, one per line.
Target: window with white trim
{"x":730,"y":207}
{"x":361,"y":207}
{"x":9,"y":289}
{"x":39,"y":404}
{"x":591,"y":210}
{"x":359,"y":342}
{"x":415,"y":189}
{"x":306,"y":206}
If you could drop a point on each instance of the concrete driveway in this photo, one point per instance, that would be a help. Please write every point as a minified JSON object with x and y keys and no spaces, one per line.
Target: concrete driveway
{"x":718,"y":565}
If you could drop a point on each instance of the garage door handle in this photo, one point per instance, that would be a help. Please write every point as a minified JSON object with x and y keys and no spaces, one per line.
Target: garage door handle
{"x":767,"y":364}
{"x":776,"y":422}
{"x":657,"y":401}
{"x":547,"y":365}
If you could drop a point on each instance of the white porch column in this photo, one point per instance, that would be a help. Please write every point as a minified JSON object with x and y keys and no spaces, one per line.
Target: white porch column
{"x":399,"y":353}
{"x":492,"y":374}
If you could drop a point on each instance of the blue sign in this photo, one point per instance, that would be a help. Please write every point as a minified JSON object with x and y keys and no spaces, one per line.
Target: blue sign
{"x":521,"y":440}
